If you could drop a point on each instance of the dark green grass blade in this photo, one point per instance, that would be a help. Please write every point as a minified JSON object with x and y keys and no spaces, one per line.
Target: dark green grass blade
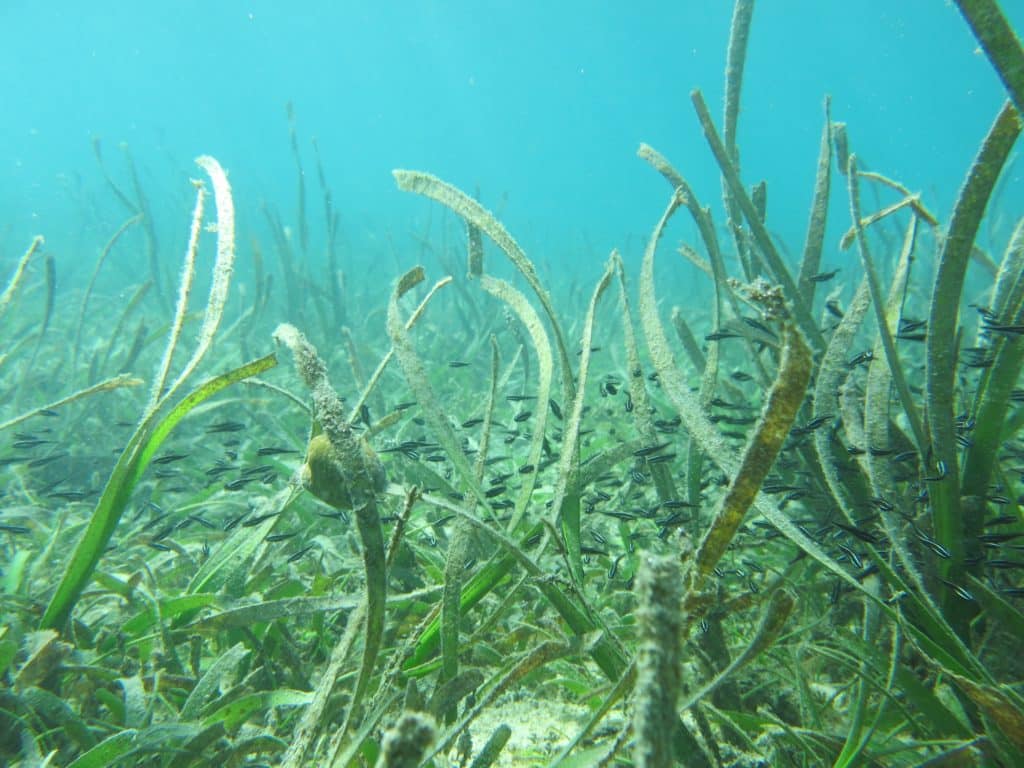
{"x":947,"y":516}
{"x":133,"y":462}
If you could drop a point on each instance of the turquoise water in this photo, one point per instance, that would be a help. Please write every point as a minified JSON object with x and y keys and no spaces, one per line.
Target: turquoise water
{"x":540,"y":106}
{"x":825,"y":529}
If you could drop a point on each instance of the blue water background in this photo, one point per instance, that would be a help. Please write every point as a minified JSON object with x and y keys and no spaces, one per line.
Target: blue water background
{"x":538,"y":105}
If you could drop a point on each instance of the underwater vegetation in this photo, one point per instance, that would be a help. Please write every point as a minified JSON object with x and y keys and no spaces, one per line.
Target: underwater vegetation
{"x":485,"y":524}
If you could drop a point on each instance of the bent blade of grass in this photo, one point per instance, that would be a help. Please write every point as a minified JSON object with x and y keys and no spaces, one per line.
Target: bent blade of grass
{"x":236,"y":712}
{"x":606,"y":651}
{"x":950,"y":529}
{"x":993,"y":398}
{"x":831,"y":372}
{"x":544,"y":653}
{"x":476,"y":215}
{"x":122,"y":380}
{"x":814,"y":241}
{"x":92,"y":283}
{"x":188,"y":274}
{"x":641,"y":404}
{"x":379,"y":371}
{"x":763,"y":239}
{"x":210,"y":681}
{"x":996,"y":607}
{"x":885,"y":334}
{"x":1001,"y":705}
{"x":545,"y":369}
{"x":566,"y":498}
{"x":229,"y":561}
{"x":1000,"y":43}
{"x":619,"y":691}
{"x":879,"y":379}
{"x":778,"y":610}
{"x":269,"y":610}
{"x":19,"y":274}
{"x":141,"y":448}
{"x":416,"y":376}
{"x":169,"y":608}
{"x":781,"y":407}
{"x":690,"y":412}
{"x":108,"y":751}
{"x":856,"y":740}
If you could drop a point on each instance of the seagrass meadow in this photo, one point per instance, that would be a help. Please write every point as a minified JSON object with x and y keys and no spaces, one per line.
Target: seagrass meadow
{"x":257,"y":515}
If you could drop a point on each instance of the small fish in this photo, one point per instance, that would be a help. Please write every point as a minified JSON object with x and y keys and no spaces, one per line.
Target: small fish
{"x":934,"y":546}
{"x":721,"y":336}
{"x":274,"y":450}
{"x":556,"y":409}
{"x":497,"y":490}
{"x":624,"y":516}
{"x":661,"y":458}
{"x":863,"y":357}
{"x":995,"y":539}
{"x":520,"y":398}
{"x":651,"y":449}
{"x":1004,"y":564}
{"x":225,"y":426}
{"x":834,"y":310}
{"x":522,"y":416}
{"x":274,"y":537}
{"x":854,"y":557}
{"x":977,"y":357}
{"x":42,"y":462}
{"x":908,"y":326}
{"x":740,"y":376}
{"x":28,"y":442}
{"x":71,"y":495}
{"x":675,"y":504}
{"x":167,"y":458}
{"x":1008,"y":330}
{"x":405,"y":406}
{"x":757,"y":325}
{"x":457,"y":364}
{"x":298,"y":555}
{"x":629,"y":403}
{"x":959,"y":591}
{"x":941,"y":469}
{"x":220,"y":468}
{"x":14,"y":529}
{"x":823,"y":277}
{"x":811,"y":425}
{"x":613,"y":571}
{"x":201,"y":520}
{"x":234,"y":521}
{"x":335,"y":515}
{"x":254,"y":521}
